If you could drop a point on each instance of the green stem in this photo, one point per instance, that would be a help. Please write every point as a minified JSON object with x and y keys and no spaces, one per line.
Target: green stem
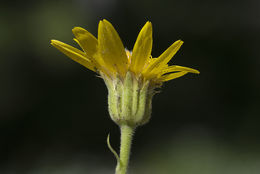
{"x":125,"y":148}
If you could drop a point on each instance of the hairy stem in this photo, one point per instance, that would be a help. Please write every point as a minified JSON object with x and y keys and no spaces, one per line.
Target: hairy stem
{"x":125,"y":148}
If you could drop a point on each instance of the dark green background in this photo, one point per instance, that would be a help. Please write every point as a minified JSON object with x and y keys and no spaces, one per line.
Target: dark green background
{"x":53,"y":111}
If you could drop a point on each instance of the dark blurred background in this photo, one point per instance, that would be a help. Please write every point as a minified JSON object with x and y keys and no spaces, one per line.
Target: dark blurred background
{"x":54,"y":116}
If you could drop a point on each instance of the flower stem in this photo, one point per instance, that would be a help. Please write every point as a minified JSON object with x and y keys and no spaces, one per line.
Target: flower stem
{"x":125,"y":148}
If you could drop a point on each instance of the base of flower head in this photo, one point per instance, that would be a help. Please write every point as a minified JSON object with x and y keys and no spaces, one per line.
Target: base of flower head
{"x":129,"y":99}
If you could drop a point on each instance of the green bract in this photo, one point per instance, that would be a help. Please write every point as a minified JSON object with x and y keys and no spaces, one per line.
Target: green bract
{"x":129,"y":100}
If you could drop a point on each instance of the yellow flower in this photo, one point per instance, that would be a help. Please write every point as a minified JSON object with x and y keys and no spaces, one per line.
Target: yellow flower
{"x":107,"y":56}
{"x":130,"y":77}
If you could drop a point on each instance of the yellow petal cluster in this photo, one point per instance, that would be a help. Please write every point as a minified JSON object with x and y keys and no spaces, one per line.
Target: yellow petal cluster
{"x":107,"y":55}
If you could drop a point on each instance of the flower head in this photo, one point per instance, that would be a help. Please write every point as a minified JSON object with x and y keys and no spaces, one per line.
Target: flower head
{"x":130,"y":76}
{"x":107,"y":55}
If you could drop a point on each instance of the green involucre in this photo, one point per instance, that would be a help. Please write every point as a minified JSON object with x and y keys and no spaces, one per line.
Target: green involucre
{"x":129,"y":100}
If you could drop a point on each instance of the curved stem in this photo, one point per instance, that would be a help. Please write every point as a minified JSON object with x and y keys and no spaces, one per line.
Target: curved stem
{"x":125,"y":148}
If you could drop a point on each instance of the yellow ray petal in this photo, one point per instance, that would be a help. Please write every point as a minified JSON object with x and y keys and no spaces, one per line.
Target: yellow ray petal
{"x":86,"y":40}
{"x":74,"y":54}
{"x":94,"y":59}
{"x":174,"y":68}
{"x":155,"y":72}
{"x":172,"y":76}
{"x":165,"y":57}
{"x":142,"y":49}
{"x":111,"y":49}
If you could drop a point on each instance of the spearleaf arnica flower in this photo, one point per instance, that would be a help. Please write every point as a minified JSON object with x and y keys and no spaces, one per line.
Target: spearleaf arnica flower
{"x":130,"y":76}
